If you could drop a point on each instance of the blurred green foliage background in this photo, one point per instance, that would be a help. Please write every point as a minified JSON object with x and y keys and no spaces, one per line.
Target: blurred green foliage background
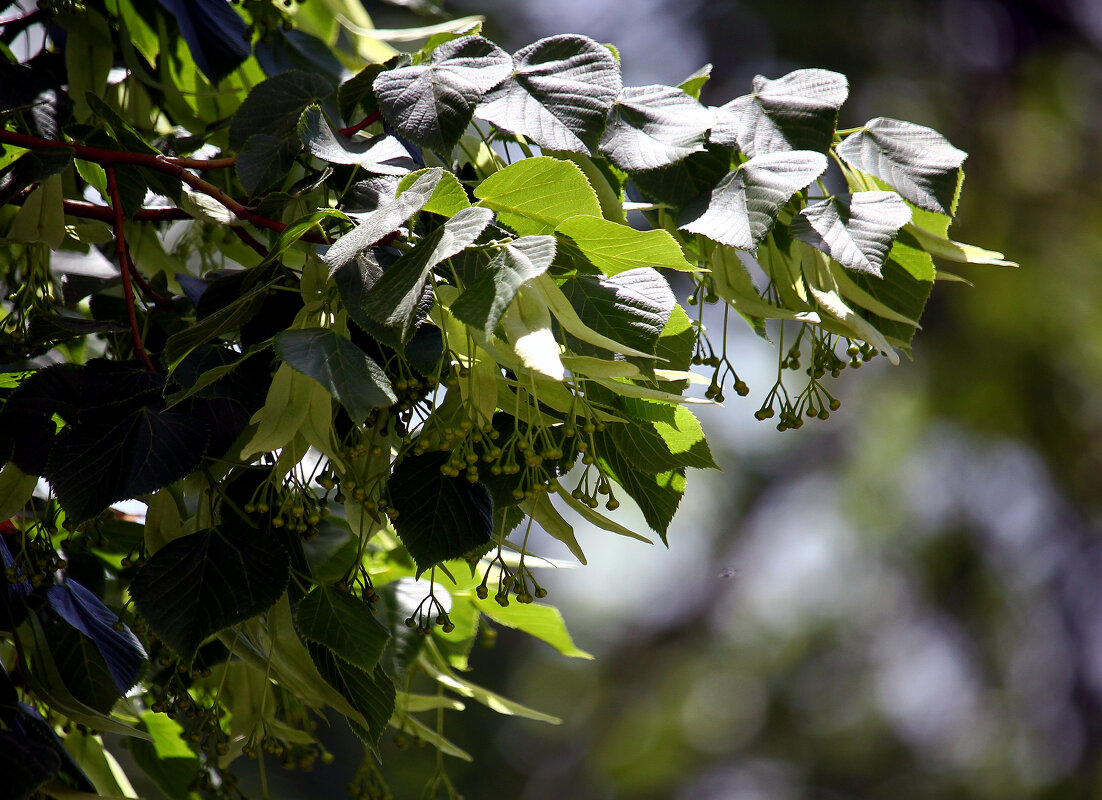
{"x":902,"y":602}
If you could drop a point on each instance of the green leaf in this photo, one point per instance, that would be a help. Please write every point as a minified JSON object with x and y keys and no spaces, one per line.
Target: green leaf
{"x":266,"y":159}
{"x":916,"y":161}
{"x":16,"y":488}
{"x":631,"y":307}
{"x":662,"y":436}
{"x":34,"y":166}
{"x":439,"y":518}
{"x":89,"y":56}
{"x":485,"y":300}
{"x":436,"y":667}
{"x":856,"y":230}
{"x":943,"y":247}
{"x":82,"y":667}
{"x":42,"y":217}
{"x":341,"y":367}
{"x":395,"y":297}
{"x":907,"y":278}
{"x":527,"y":325}
{"x":197,"y":585}
{"x":381,"y":155}
{"x":534,"y":195}
{"x":543,"y":622}
{"x":356,"y":92}
{"x":745,"y":204}
{"x":559,"y":94}
{"x":695,"y":82}
{"x":370,"y":692}
{"x":433,"y":103}
{"x":549,"y":518}
{"x":108,"y":454}
{"x":600,"y":520}
{"x":798,"y":111}
{"x":167,"y":759}
{"x":383,"y":221}
{"x":614,"y":248}
{"x":654,"y":126}
{"x":274,"y":106}
{"x":448,"y":198}
{"x":344,"y":625}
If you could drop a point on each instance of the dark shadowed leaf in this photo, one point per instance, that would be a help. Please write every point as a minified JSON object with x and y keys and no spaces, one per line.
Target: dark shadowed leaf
{"x":855,"y":230}
{"x":432,"y":103}
{"x":108,"y":455}
{"x":691,"y":178}
{"x":215,"y":34}
{"x":438,"y":517}
{"x":344,"y":624}
{"x":631,"y":307}
{"x":486,"y":299}
{"x":370,"y":692}
{"x":32,"y":167}
{"x":394,"y":299}
{"x":199,"y":584}
{"x":274,"y":106}
{"x":336,"y":363}
{"x":798,"y":111}
{"x":82,"y":668}
{"x":559,"y":94}
{"x":916,"y":161}
{"x":266,"y":159}
{"x":745,"y":204}
{"x":654,"y":126}
{"x":383,"y":155}
{"x":25,"y":764}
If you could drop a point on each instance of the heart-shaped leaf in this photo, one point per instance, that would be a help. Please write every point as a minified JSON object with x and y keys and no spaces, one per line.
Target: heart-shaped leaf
{"x":534,"y":195}
{"x":916,"y":161}
{"x":486,"y":299}
{"x":798,"y":111}
{"x":744,"y":206}
{"x":344,"y":624}
{"x":197,"y":585}
{"x":336,"y":363}
{"x":614,"y":248}
{"x":654,"y":126}
{"x":559,"y":94}
{"x":856,"y":231}
{"x":432,"y":104}
{"x":438,"y":517}
{"x":631,"y":307}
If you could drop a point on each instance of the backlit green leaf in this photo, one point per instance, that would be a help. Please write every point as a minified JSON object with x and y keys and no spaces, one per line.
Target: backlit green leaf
{"x":614,"y":248}
{"x":534,"y":195}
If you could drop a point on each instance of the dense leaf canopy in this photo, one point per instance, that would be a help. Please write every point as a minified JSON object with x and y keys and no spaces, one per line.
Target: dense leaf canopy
{"x":347,"y":322}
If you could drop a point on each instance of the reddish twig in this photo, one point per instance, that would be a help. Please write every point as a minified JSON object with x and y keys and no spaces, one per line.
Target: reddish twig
{"x":157,"y":162}
{"x":202,"y":163}
{"x":125,"y":266}
{"x":159,"y":300}
{"x":370,"y":119}
{"x":79,"y":208}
